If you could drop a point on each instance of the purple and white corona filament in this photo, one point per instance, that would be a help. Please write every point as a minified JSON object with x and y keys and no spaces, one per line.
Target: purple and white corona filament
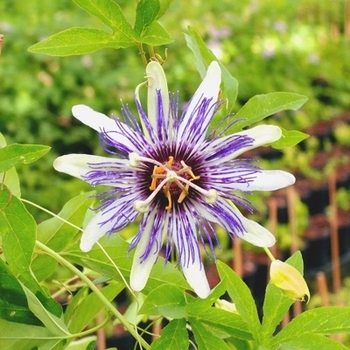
{"x":177,"y":177}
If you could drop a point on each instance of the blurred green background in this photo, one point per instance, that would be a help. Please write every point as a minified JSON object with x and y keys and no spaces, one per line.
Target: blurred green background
{"x":268,"y":45}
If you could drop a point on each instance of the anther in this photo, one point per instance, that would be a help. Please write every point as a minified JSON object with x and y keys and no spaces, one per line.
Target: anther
{"x":168,"y":196}
{"x":134,"y":159}
{"x":211,"y":196}
{"x":141,"y":206}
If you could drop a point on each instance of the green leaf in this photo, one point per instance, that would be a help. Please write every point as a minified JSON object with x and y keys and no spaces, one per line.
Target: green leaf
{"x":86,"y":343}
{"x":204,"y":57}
{"x":89,"y":306}
{"x":110,"y":13}
{"x":18,"y":231}
{"x":276,"y":303}
{"x":239,"y":344}
{"x":117,"y":249}
{"x":311,"y":341}
{"x":296,"y":260}
{"x":15,"y":336}
{"x":323,"y":320}
{"x":241,"y":297}
{"x":205,"y":339}
{"x":78,"y":41}
{"x":261,"y":106}
{"x":202,"y":304}
{"x":146,"y":13}
{"x":164,"y":5}
{"x":57,"y":234}
{"x":155,"y":34}
{"x":10,"y":179}
{"x":13,"y":301}
{"x":289,"y":138}
{"x":52,"y":323}
{"x":221,"y":322}
{"x":174,"y":336}
{"x":14,"y":154}
{"x":168,"y":301}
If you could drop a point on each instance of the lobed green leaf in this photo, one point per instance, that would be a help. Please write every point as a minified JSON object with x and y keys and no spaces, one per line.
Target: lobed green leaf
{"x":78,"y":41}
{"x":110,"y":13}
{"x":15,"y":336}
{"x":10,"y":179}
{"x":310,"y":341}
{"x":15,"y":153}
{"x":262,"y":106}
{"x":18,"y":231}
{"x":221,"y":322}
{"x":164,"y":5}
{"x":205,"y":339}
{"x":276,"y":303}
{"x":155,"y":35}
{"x":241,"y":297}
{"x":13,"y":301}
{"x":168,"y":301}
{"x":323,"y":320}
{"x":146,"y":13}
{"x":289,"y":138}
{"x":174,"y":336}
{"x":296,"y":260}
{"x":52,"y":322}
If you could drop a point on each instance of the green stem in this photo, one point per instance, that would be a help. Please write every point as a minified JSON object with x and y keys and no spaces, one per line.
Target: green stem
{"x":151,"y":51}
{"x":92,"y":286}
{"x":50,"y":213}
{"x":269,"y":254}
{"x":143,"y":54}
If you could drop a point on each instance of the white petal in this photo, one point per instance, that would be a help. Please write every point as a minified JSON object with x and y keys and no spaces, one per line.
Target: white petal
{"x":100,"y":122}
{"x":93,"y":232}
{"x":77,"y":165}
{"x":256,"y":234}
{"x":156,"y":82}
{"x":208,"y":89}
{"x":140,"y":271}
{"x":189,"y":255}
{"x":93,"y":119}
{"x":262,"y":135}
{"x":267,"y":180}
{"x":196,"y":278}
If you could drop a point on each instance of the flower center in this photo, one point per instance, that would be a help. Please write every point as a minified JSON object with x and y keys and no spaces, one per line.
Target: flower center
{"x":173,"y":178}
{"x":173,"y":188}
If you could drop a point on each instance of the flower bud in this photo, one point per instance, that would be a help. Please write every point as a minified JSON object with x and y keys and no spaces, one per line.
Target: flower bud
{"x":290,"y":280}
